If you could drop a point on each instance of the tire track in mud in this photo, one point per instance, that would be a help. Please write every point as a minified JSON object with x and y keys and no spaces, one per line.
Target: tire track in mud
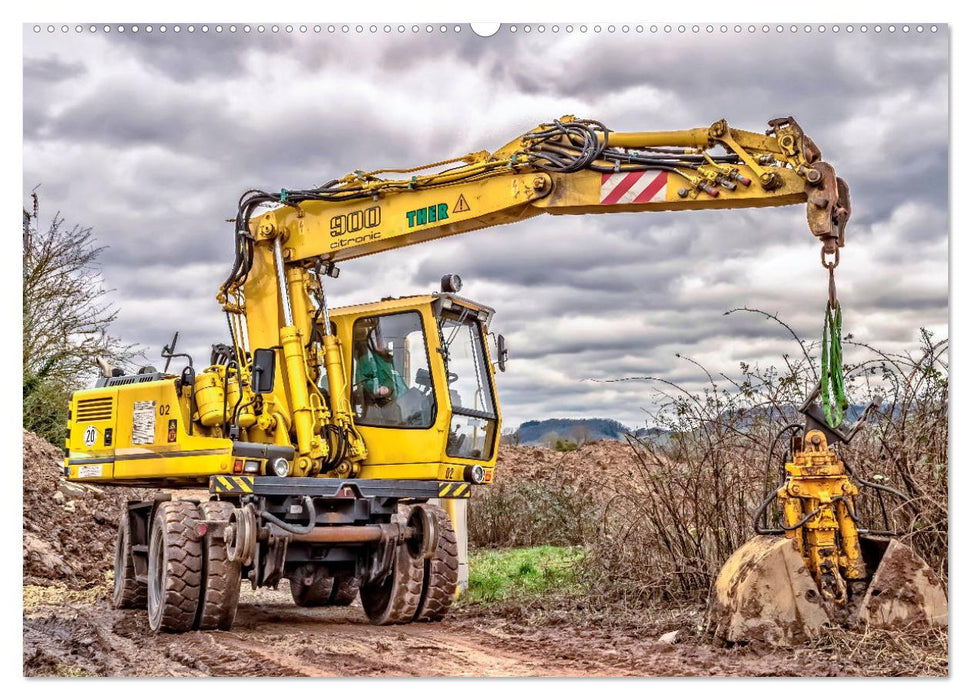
{"x":341,"y":642}
{"x":272,"y":637}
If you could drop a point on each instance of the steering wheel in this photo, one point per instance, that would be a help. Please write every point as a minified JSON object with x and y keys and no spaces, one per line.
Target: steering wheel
{"x":452,"y":377}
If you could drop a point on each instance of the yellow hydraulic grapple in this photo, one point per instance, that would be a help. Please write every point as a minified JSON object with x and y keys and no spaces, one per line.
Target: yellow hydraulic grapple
{"x":820,"y":566}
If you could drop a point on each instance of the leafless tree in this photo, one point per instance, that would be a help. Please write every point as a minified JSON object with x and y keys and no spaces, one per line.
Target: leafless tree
{"x":66,"y":318}
{"x":511,"y":437}
{"x":580,"y":433}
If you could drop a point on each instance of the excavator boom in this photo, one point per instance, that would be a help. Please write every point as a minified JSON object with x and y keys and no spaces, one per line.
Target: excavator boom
{"x":568,"y":167}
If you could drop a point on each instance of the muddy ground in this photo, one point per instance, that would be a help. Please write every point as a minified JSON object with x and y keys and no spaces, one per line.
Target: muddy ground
{"x":69,"y":629}
{"x":69,"y":633}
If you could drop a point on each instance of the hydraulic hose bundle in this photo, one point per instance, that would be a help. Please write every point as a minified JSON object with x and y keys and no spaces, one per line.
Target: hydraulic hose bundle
{"x":563,"y":146}
{"x":567,"y":147}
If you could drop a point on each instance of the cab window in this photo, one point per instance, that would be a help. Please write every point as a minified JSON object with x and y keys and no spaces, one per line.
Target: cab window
{"x":474,"y":417}
{"x":392,"y":385}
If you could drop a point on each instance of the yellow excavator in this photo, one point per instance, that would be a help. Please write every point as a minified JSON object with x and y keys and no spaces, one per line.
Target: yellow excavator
{"x":337,"y":444}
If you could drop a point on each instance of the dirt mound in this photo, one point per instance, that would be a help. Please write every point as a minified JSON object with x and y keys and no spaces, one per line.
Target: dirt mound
{"x":69,"y":528}
{"x":592,"y":460}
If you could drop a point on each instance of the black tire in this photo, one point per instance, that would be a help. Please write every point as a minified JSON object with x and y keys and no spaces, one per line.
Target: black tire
{"x":219,"y":596}
{"x":174,"y":567}
{"x":441,"y":574}
{"x":394,"y":601}
{"x":315,"y":594}
{"x":346,"y":588}
{"x":128,"y":592}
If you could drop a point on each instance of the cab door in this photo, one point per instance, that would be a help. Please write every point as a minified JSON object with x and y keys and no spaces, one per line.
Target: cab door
{"x":393,"y":392}
{"x":474,"y":425}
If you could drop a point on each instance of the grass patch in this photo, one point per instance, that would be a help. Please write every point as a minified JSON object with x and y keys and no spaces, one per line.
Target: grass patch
{"x":73,"y":672}
{"x":35,"y":596}
{"x":499,"y":575}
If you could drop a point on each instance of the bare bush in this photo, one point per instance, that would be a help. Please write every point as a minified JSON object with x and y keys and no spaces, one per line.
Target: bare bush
{"x":669,"y":529}
{"x":663,"y":528}
{"x":531,"y":513}
{"x":906,"y":446}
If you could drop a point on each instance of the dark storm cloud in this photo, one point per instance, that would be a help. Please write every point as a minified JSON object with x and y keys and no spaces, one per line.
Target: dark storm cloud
{"x":150,"y":139}
{"x":50,"y":70}
{"x":192,"y":57}
{"x":128,"y":115}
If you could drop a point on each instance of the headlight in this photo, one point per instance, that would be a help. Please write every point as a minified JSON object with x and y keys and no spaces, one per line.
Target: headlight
{"x":475,"y":474}
{"x":281,"y":467}
{"x":451,"y":284}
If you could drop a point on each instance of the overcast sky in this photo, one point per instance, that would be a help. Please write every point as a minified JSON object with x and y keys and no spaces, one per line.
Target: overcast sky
{"x":151,"y":138}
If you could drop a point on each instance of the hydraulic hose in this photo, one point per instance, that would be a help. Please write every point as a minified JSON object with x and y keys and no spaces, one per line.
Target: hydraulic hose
{"x":308,"y":504}
{"x":760,"y":514}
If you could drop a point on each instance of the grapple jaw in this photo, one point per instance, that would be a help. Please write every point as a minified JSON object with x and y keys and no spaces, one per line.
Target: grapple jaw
{"x":765,"y":592}
{"x":904,"y":590}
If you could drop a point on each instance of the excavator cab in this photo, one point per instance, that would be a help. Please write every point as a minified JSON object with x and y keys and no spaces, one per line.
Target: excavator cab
{"x":421,"y":386}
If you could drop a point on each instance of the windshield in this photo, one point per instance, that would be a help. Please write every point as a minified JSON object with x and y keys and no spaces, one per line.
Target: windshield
{"x":392,"y":384}
{"x":474,"y":415}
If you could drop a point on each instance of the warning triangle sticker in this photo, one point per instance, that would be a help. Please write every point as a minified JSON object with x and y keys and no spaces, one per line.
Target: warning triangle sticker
{"x":460,"y":205}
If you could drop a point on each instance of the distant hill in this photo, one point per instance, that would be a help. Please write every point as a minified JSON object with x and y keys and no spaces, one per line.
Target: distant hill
{"x":536,"y":432}
{"x":577,"y":429}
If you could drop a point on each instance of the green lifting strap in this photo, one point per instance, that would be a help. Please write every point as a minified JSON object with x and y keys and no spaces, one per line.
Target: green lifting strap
{"x":831,"y":378}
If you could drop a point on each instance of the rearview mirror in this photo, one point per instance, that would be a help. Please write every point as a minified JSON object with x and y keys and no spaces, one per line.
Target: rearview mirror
{"x":502,"y":353}
{"x":264,"y":370}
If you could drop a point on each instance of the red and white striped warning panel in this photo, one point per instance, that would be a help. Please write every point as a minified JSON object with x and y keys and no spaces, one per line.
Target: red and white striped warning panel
{"x":633,"y":188}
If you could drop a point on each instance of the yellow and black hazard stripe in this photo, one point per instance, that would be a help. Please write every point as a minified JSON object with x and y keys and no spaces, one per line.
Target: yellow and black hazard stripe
{"x":454,"y":489}
{"x":231,"y":484}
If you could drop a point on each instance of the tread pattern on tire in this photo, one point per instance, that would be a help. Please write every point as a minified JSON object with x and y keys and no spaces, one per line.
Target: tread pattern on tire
{"x":181,"y":574}
{"x":219,"y":594}
{"x":346,"y":588}
{"x":395,"y":600}
{"x":314,"y":595}
{"x":128,"y":592}
{"x":441,"y":571}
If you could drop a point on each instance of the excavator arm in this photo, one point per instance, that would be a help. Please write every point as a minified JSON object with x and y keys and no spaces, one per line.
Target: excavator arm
{"x":567,"y":167}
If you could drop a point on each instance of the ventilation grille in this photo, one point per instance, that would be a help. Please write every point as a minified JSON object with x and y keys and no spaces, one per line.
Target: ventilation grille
{"x":95,"y":409}
{"x":132,"y":379}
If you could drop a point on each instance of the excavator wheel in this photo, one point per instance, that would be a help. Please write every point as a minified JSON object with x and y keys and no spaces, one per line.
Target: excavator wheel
{"x":395,"y":599}
{"x":221,"y":579}
{"x":346,"y":587}
{"x":174,"y":567}
{"x":311,"y":587}
{"x":441,"y":569}
{"x":128,"y":591}
{"x":765,"y":592}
